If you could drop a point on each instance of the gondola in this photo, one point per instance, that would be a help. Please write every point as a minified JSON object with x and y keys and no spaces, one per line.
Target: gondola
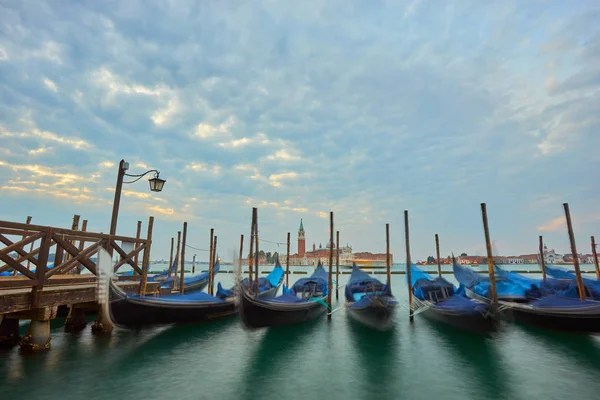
{"x":194,"y":283}
{"x":369,"y":301}
{"x":305,"y":300}
{"x":267,"y":286}
{"x":556,"y":308}
{"x":135,"y":311}
{"x":438,"y":300}
{"x":478,"y":286}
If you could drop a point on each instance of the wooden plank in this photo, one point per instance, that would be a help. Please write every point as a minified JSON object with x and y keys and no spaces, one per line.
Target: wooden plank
{"x":146,"y":259}
{"x":24,"y":229}
{"x":15,"y":265}
{"x":40,"y":273}
{"x":82,"y":257}
{"x":128,"y":258}
{"x":18,"y":246}
{"x":125,"y":257}
{"x":17,"y":283}
{"x":15,"y":232}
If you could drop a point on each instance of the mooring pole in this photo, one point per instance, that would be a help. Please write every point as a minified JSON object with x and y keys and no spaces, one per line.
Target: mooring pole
{"x":437,"y":252}
{"x":171,"y":258}
{"x":146,"y":261}
{"x":256,"y":254}
{"x":241,"y":252}
{"x":388,"y":263}
{"x":580,"y":286}
{"x":214,"y":263}
{"x":287,"y":263}
{"x":337,"y":266}
{"x":210,"y":256}
{"x":175,"y":283}
{"x":251,"y":254}
{"x":181,"y":277}
{"x":15,"y":272}
{"x":595,"y":255}
{"x":329,"y":282}
{"x":488,"y":245}
{"x":411,"y":315}
{"x":138,"y":234}
{"x":542,"y":261}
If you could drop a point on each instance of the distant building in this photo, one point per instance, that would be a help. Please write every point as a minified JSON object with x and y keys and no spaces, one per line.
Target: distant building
{"x":303,"y":257}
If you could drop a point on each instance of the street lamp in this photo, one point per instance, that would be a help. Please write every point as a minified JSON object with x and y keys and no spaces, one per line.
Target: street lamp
{"x":156,"y":185}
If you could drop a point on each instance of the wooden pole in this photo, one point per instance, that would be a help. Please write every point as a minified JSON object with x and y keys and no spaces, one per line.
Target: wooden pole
{"x":251,"y":254}
{"x":194,"y":264}
{"x":256,"y":254}
{"x":15,"y":272}
{"x":82,"y":243}
{"x":490,"y":259}
{"x":411,"y":315}
{"x":437,"y":252}
{"x":580,"y":286}
{"x":595,"y":255}
{"x":287,"y":263}
{"x":214,"y":263}
{"x":74,"y":227}
{"x":181,"y":277}
{"x":542,"y":261}
{"x":175,"y":283}
{"x":329,"y":281}
{"x":117,"y":200}
{"x":337,"y":266}
{"x":388,"y":263}
{"x":171,"y":258}
{"x":138,"y":234}
{"x":210,"y":256}
{"x":146,"y":260}
{"x":241,"y":252}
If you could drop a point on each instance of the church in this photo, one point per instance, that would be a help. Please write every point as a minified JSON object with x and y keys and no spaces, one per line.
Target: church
{"x":321,"y":254}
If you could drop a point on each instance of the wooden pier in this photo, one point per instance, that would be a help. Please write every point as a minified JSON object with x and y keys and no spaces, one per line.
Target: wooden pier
{"x":32,"y":291}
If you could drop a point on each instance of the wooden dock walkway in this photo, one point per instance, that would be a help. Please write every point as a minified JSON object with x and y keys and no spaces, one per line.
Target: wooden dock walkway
{"x":30,"y":289}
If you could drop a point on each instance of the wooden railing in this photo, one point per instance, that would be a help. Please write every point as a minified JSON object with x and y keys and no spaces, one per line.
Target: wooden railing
{"x":69,"y":258}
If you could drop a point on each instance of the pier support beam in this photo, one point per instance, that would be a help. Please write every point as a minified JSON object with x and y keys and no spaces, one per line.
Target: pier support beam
{"x":38,"y":333}
{"x":75,"y":321}
{"x":102,"y":325}
{"x":9,"y":332}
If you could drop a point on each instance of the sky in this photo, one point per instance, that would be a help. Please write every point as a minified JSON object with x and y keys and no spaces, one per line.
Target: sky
{"x":363,"y":108}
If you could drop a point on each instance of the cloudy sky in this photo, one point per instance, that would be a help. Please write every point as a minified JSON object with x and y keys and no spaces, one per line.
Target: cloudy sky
{"x":364,"y":108}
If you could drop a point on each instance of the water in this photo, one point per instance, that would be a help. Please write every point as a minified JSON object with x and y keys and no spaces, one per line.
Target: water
{"x":336,"y":360}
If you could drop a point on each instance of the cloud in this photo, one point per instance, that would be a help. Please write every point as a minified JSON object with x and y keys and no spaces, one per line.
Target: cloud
{"x":553,"y":225}
{"x":452,"y":106}
{"x":50,"y":85}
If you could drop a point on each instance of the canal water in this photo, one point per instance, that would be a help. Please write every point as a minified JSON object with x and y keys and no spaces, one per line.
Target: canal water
{"x":316,"y":360}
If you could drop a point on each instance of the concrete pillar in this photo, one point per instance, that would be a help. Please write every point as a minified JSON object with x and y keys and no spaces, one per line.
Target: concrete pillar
{"x":9,"y":332}
{"x":75,"y":321}
{"x":102,"y":325}
{"x":38,"y":333}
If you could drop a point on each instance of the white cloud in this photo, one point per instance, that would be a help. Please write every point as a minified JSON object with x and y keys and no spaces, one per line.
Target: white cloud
{"x":200,"y":167}
{"x":205,"y":130}
{"x":275,"y":179}
{"x":39,"y":150}
{"x":259,"y":138}
{"x":50,"y":84}
{"x":284,"y":154}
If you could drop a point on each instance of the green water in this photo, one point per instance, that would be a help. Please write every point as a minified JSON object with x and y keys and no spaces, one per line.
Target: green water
{"x":319,"y":359}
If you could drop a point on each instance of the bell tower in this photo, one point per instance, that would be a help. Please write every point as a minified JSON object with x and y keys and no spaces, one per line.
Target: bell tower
{"x":301,"y":240}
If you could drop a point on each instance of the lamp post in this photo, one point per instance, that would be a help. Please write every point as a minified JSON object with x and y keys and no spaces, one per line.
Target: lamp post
{"x":156,"y":185}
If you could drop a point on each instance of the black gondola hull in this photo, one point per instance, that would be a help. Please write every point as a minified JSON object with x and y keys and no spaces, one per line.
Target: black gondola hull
{"x":376,"y":316}
{"x":258,"y":314}
{"x":583,"y":323}
{"x":136,"y":312}
{"x":473,"y":323}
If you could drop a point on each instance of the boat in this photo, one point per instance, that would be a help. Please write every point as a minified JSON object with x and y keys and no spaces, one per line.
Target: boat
{"x":369,"y":301}
{"x":195,"y":283}
{"x":439,"y":300}
{"x":132,"y":310}
{"x":548,"y":305}
{"x":478,"y":286}
{"x":305,"y":300}
{"x":592,"y":286}
{"x":267,"y":286}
